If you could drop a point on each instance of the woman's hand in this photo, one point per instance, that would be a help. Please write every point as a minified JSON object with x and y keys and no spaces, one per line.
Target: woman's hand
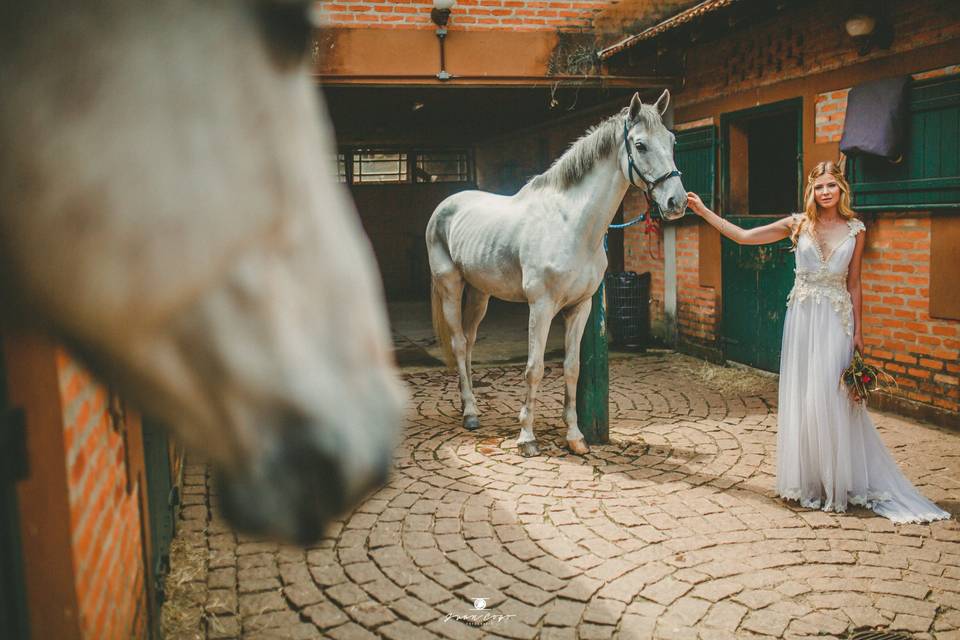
{"x":858,"y":342}
{"x":695,"y":203}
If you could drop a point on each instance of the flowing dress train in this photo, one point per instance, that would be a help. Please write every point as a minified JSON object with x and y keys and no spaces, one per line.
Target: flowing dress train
{"x":829,"y":453}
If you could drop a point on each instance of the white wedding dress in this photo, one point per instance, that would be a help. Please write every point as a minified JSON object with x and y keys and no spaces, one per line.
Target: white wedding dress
{"x":829,"y":453}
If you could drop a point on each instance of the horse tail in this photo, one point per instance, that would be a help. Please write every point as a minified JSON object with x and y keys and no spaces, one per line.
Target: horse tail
{"x":440,"y":328}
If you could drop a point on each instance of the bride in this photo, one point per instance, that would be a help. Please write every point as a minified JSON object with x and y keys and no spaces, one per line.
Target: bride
{"x":828,"y":451}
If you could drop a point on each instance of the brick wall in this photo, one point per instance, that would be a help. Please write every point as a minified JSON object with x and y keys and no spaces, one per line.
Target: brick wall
{"x":807,"y":40}
{"x":105,"y":515}
{"x":923,"y":353}
{"x":643,"y":252}
{"x":797,"y":47}
{"x":696,"y":305}
{"x":697,"y":316}
{"x":467,"y":14}
{"x":831,"y":106}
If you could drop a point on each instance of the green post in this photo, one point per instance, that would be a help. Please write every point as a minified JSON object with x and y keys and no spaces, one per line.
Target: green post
{"x":593,"y":386}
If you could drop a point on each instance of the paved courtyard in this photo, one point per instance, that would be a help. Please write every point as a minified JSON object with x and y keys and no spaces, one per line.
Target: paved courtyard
{"x":669,"y":531}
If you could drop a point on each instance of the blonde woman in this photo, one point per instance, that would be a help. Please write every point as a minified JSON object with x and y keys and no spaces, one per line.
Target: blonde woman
{"x":829,"y":454}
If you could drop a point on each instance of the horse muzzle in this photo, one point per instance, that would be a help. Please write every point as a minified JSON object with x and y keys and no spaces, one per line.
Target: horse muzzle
{"x":292,"y":494}
{"x":674,"y":205}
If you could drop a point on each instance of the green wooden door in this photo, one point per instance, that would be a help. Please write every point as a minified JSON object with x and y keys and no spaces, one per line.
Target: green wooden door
{"x":162,"y":498}
{"x":762,"y":170}
{"x":13,"y":606}
{"x":756,"y":281}
{"x":695,"y":156}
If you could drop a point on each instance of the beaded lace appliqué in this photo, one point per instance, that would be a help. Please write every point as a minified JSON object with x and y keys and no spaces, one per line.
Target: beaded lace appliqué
{"x":823,"y":284}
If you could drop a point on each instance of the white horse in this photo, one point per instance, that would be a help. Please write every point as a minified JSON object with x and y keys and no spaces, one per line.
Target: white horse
{"x":544,"y":246}
{"x":168,"y":209}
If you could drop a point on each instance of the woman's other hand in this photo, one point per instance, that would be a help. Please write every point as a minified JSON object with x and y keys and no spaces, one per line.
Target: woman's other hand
{"x":858,"y":342}
{"x":695,"y":203}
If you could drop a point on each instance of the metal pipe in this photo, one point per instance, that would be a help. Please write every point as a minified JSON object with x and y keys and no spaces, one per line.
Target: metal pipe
{"x":442,"y":75}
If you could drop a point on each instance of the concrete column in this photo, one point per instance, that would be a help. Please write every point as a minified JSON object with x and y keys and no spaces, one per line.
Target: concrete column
{"x":670,"y":283}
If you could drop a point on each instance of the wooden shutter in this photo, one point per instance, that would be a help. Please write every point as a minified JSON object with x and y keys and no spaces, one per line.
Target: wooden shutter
{"x":696,"y":157}
{"x":928,"y":177}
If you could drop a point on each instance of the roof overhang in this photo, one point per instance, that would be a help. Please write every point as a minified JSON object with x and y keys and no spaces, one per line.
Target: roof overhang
{"x":486,"y":58}
{"x":487,"y":81}
{"x":682,"y":18}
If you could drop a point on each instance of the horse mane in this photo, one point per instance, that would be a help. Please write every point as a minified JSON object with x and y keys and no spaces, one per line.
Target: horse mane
{"x":596,"y":144}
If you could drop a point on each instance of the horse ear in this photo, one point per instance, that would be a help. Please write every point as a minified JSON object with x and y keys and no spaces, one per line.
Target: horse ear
{"x":663,"y":102}
{"x":635,"y":105}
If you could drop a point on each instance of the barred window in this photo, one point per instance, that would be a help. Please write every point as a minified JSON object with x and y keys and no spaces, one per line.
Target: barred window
{"x":341,"y":167}
{"x":442,"y":166}
{"x":376,"y":166}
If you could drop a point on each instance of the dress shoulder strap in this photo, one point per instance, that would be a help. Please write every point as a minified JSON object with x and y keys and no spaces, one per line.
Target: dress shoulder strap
{"x":856,"y":226}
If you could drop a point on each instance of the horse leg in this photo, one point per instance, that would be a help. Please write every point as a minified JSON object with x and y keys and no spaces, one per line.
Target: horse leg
{"x":474,"y":308}
{"x":541,"y":314}
{"x":576,"y":318}
{"x":451,"y":293}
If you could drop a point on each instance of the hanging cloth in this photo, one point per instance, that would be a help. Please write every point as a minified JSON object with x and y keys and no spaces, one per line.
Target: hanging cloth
{"x":876,"y":119}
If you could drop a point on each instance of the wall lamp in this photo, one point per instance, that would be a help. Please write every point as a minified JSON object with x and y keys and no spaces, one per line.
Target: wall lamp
{"x":868,"y":28}
{"x":440,"y":15}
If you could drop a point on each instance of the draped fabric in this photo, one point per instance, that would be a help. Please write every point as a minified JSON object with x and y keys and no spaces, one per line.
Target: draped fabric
{"x":829,"y":453}
{"x":876,"y":118}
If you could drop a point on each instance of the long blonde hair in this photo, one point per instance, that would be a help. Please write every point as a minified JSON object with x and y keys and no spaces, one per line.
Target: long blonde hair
{"x":811,"y":210}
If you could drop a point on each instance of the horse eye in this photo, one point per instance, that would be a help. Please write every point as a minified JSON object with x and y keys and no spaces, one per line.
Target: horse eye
{"x":641,"y":147}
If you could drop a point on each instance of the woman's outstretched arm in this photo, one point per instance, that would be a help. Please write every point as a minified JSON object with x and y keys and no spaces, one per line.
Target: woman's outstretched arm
{"x":760,"y":235}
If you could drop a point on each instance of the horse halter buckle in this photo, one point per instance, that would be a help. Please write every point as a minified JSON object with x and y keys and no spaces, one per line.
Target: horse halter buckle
{"x":648,"y":185}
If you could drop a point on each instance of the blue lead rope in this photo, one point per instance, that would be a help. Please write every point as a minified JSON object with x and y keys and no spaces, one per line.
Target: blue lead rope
{"x":639,"y":218}
{"x":624,"y":225}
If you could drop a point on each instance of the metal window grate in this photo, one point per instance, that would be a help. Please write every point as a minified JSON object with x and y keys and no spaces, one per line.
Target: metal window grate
{"x":442,"y":166}
{"x":341,"y":167}
{"x":374,"y":166}
{"x":880,"y":635}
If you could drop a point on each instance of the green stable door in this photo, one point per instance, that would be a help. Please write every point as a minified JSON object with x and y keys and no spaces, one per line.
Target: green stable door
{"x":762,"y":182}
{"x":756,"y":281}
{"x":13,"y":468}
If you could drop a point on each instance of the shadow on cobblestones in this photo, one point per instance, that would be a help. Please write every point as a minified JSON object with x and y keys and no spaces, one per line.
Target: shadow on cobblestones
{"x":670,"y":531}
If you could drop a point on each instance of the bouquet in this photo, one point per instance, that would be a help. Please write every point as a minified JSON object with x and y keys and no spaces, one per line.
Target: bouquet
{"x":861,"y":379}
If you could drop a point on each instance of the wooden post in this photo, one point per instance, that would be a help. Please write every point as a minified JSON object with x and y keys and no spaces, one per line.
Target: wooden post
{"x":593,"y":385}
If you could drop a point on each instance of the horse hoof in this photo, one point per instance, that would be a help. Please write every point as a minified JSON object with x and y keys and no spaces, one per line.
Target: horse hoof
{"x":578,"y":447}
{"x":529,"y":449}
{"x":471,"y":423}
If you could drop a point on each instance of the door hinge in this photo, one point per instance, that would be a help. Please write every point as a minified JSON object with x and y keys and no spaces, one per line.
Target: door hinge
{"x":13,"y":444}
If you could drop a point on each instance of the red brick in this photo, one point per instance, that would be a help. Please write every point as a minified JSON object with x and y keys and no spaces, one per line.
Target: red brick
{"x":905,"y":358}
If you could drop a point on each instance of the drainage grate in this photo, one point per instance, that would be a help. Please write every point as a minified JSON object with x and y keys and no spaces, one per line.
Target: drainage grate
{"x":880,"y":635}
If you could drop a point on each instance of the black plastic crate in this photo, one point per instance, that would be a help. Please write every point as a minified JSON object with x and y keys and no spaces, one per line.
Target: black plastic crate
{"x":628,"y":309}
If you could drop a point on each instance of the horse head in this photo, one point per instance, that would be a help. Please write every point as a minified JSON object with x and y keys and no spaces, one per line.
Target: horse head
{"x":647,"y":156}
{"x":169,"y":210}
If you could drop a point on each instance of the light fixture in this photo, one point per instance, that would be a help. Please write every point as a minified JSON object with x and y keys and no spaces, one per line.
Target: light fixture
{"x":440,"y":15}
{"x":868,"y":28}
{"x":860,"y":25}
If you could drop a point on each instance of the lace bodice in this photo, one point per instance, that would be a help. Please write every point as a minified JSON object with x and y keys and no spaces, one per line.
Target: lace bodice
{"x":824,"y":277}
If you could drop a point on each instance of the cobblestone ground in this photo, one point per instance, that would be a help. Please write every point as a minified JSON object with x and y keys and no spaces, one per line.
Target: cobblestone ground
{"x":670,"y":531}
